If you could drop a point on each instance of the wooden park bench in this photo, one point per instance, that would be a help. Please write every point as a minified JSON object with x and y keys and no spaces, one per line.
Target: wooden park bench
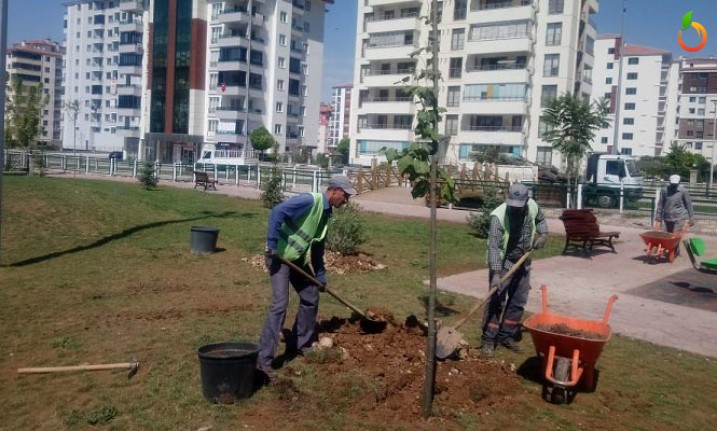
{"x":582,"y":231}
{"x":202,"y":179}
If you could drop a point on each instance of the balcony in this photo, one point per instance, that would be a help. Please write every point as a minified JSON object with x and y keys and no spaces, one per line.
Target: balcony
{"x":511,"y":135}
{"x":386,"y":132}
{"x":520,"y":42}
{"x":233,"y":39}
{"x":129,"y":112}
{"x":484,"y":12}
{"x":493,"y":106}
{"x":231,"y":113}
{"x":385,"y":52}
{"x":388,"y":105}
{"x":384,"y":78}
{"x":131,"y":6}
{"x":229,"y":65}
{"x":406,"y":21}
{"x":127,"y":131}
{"x":129,"y":90}
{"x":130,"y":69}
{"x":487,"y":74}
{"x":132,"y":48}
{"x":231,"y":15}
{"x":393,"y":3}
{"x":134,"y":25}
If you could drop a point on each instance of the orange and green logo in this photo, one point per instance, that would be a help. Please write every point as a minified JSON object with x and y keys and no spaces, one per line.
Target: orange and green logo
{"x":701,"y":33}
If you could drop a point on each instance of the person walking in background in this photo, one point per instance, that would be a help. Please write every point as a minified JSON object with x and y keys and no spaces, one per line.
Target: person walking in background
{"x":297,"y":232}
{"x":675,"y":206}
{"x":516,"y":227}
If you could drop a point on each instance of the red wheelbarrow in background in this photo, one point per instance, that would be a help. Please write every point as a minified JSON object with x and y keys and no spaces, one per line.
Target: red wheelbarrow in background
{"x":662,"y":245}
{"x":569,"y":347}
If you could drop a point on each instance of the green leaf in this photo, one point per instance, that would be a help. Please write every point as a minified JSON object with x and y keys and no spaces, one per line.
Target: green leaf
{"x":687,"y":20}
{"x":391,"y":154}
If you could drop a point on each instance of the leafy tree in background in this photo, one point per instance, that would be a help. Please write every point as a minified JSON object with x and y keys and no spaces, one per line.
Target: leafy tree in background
{"x":572,"y":123}
{"x":343,"y":148}
{"x":261,"y":140}
{"x":23,"y":114}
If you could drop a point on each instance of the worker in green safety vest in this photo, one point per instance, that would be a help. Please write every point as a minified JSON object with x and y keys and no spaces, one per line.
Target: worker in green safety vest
{"x":297,"y":232}
{"x":516,"y":227}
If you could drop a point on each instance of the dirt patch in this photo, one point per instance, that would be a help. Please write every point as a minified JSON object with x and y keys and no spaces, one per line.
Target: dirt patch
{"x":336,"y":263}
{"x":394,"y":364}
{"x":563,"y":329}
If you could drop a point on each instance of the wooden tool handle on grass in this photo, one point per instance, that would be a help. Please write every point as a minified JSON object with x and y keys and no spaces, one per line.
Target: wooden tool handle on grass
{"x":493,"y":289}
{"x":42,"y":370}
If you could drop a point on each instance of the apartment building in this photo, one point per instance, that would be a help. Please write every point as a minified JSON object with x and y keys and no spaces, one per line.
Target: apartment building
{"x":501,"y":61}
{"x":265,"y":69}
{"x":696,"y":111}
{"x":325,"y":114}
{"x":642,"y":105}
{"x":340,"y":120}
{"x":104,"y":64}
{"x":39,"y":63}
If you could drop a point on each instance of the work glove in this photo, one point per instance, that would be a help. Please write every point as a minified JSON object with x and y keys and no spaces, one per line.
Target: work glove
{"x":540,"y":241}
{"x":323,"y":285}
{"x":269,"y":255}
{"x":692,"y":222}
{"x":495,"y":282}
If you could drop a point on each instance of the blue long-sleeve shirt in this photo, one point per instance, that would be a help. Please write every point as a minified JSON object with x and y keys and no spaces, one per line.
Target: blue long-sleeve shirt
{"x":293,"y":209}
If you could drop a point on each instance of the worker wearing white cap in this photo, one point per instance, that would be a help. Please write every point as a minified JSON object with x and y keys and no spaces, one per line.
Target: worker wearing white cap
{"x":675,"y":206}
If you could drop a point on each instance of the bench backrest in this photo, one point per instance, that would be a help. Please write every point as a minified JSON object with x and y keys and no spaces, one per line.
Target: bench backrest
{"x":201,"y":176}
{"x":580,"y":223}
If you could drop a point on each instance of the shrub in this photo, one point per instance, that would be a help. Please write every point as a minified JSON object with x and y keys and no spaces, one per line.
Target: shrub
{"x":346,"y":230}
{"x":146,"y":176}
{"x":272,"y":191}
{"x":480,"y":222}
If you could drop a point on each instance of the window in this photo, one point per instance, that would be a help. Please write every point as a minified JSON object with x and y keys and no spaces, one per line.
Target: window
{"x":633,"y":60}
{"x":608,"y":80}
{"x":628,"y":121}
{"x":692,"y":110}
{"x":611,"y":50}
{"x":458,"y":38}
{"x":306,"y":27}
{"x":454,"y":97}
{"x":629,"y":106}
{"x":693,"y":99}
{"x":279,"y":107}
{"x":280,"y":84}
{"x":702,"y":100}
{"x":277,"y":129}
{"x":548,"y":93}
{"x":626,"y":151}
{"x":283,"y":17}
{"x":451,"y":125}
{"x":627,"y":136}
{"x":556,"y":6}
{"x":607,"y":95}
{"x":456,"y":67}
{"x":603,"y":140}
{"x":554,"y":35}
{"x":610,"y":65}
{"x":545,"y":156}
{"x":282,"y":63}
{"x":282,"y":39}
{"x":701,"y":111}
{"x":631,"y":91}
{"x":551,"y":66}
{"x":632,"y":76}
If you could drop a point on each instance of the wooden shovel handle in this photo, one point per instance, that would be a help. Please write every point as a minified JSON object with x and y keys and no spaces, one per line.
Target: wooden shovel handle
{"x":321,"y":285}
{"x":42,"y":370}
{"x":493,"y":289}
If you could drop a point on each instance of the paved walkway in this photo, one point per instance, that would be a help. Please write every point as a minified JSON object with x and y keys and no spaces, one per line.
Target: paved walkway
{"x":577,"y":286}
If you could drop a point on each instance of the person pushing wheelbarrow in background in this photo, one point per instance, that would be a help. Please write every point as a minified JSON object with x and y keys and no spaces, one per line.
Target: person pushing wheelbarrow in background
{"x":516,"y":227}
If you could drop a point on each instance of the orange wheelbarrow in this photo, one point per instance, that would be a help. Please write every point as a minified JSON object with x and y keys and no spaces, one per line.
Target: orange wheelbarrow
{"x":569,"y":348}
{"x":662,"y":245}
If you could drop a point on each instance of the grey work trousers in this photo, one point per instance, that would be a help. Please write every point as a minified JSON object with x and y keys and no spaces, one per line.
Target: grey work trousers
{"x":516,"y":288}
{"x":303,"y":333}
{"x":675,"y":226}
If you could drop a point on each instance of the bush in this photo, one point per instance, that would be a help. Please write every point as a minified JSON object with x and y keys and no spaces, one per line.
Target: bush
{"x":346,"y":230}
{"x":480,"y":222}
{"x":147,"y":178}
{"x":272,"y":192}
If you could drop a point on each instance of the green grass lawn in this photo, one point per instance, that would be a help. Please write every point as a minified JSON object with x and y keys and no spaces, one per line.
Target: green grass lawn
{"x":99,"y":271}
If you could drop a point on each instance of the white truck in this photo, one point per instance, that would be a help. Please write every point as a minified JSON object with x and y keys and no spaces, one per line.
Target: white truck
{"x":606,"y":174}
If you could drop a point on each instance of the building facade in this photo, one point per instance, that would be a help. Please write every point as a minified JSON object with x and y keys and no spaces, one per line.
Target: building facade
{"x":500,"y":62}
{"x":696,"y":111}
{"x":264,"y":69}
{"x":39,"y":63}
{"x":340,"y":120}
{"x":322,"y":139}
{"x":105,"y":61}
{"x":642,"y":106}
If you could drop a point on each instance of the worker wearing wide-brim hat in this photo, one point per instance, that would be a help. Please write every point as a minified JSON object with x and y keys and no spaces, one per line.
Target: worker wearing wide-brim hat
{"x":516,"y":227}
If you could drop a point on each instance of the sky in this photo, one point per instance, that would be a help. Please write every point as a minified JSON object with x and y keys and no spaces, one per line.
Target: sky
{"x":653,"y":23}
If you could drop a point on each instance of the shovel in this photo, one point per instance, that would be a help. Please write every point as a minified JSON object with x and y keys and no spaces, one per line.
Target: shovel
{"x":368,"y":323}
{"x":448,"y":336}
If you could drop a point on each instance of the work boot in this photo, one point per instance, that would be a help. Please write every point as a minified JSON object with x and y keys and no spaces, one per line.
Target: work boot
{"x":512,"y":345}
{"x":486,"y":350}
{"x":266,"y":374}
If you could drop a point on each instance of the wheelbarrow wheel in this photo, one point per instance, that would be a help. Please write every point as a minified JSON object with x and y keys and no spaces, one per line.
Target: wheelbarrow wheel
{"x":562,"y":374}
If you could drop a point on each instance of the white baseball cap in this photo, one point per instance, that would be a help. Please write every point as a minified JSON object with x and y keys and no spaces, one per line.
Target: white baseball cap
{"x":674,"y":179}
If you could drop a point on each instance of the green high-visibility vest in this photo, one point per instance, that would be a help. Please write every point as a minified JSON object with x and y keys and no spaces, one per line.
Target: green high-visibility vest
{"x":297,"y":237}
{"x":500,"y":213}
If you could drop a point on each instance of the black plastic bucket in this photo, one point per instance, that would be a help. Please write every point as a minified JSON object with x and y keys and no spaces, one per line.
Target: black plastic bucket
{"x":227,"y":371}
{"x":204,"y":239}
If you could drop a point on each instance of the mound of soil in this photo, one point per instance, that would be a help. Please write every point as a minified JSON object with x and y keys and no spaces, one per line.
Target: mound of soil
{"x":395,"y":360}
{"x":563,"y":329}
{"x":336,"y":263}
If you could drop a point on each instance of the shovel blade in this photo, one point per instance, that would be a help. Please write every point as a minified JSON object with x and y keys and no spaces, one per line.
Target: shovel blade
{"x":447,"y":341}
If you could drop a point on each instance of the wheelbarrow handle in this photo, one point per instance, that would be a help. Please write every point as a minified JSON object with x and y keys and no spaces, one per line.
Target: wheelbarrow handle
{"x":319,"y":284}
{"x":608,"y":309}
